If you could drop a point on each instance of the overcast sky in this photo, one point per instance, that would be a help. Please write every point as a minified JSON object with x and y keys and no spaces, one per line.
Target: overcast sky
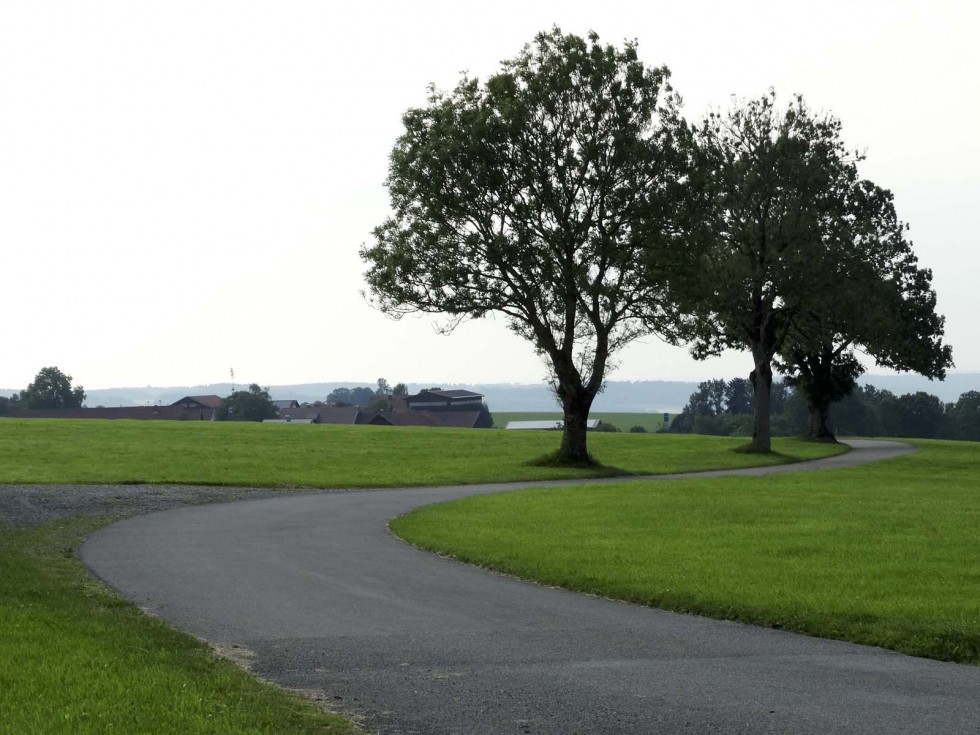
{"x":184,"y":186}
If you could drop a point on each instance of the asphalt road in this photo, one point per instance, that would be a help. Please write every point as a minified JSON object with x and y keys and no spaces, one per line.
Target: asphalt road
{"x":326,"y":600}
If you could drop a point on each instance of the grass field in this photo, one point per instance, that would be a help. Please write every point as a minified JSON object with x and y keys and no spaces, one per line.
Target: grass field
{"x":885,"y":554}
{"x":283,"y":455}
{"x":75,"y":658}
{"x":622,"y":421}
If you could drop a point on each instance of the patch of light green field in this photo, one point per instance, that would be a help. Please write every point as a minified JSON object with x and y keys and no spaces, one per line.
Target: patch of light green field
{"x":622,"y":421}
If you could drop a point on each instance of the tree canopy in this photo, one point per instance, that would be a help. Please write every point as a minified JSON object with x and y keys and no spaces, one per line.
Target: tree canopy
{"x":362,"y":396}
{"x":253,"y":404}
{"x":9,"y":404}
{"x":546,"y":194}
{"x":963,"y":417}
{"x":567,"y":194}
{"x":881,"y":304}
{"x":799,"y":259}
{"x":51,"y":388}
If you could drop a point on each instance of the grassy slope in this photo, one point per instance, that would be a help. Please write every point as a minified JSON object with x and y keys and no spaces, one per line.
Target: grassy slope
{"x":280,"y":455}
{"x":885,"y":554}
{"x":76,"y":659}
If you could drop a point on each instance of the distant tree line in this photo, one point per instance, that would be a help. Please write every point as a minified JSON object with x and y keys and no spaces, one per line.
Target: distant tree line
{"x":52,"y":389}
{"x":725,"y":408}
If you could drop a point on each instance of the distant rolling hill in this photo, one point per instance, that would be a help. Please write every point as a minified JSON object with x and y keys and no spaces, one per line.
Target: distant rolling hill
{"x":643,"y":396}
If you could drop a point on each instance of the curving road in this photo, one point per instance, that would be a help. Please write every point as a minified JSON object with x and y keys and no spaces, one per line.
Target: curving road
{"x":327,"y":601}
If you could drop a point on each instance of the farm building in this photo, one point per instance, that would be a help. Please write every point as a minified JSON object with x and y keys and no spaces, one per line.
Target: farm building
{"x":433,"y":407}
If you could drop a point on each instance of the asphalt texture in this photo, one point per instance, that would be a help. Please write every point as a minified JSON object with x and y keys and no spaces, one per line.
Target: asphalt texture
{"x":320,"y":597}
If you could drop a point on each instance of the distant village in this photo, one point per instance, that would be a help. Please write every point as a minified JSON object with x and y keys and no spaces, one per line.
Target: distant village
{"x":430,"y":407}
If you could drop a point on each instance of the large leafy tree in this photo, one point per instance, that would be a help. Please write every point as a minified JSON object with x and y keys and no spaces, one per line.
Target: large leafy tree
{"x":882,"y":305}
{"x":772,"y":184}
{"x":51,"y":388}
{"x":823,"y":375}
{"x":534,"y":195}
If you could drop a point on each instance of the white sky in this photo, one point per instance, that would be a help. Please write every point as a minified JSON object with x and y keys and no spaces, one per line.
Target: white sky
{"x":184,"y":186}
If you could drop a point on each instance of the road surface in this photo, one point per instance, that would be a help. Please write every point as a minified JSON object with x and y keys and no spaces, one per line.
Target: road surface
{"x":326,"y":600}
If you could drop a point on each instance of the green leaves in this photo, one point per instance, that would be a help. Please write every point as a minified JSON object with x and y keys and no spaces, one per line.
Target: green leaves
{"x":52,"y":389}
{"x":803,"y":258}
{"x":567,"y":193}
{"x":253,"y":404}
{"x":539,"y":194}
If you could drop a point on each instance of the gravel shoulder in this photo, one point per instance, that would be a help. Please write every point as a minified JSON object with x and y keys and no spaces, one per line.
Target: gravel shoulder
{"x":21,"y":505}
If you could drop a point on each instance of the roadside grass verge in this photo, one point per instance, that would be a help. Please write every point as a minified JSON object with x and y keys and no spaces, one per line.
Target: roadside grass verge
{"x":91,"y":451}
{"x":78,"y":659}
{"x":886,"y":554}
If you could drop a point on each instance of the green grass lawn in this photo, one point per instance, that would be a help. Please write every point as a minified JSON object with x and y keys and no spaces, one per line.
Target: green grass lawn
{"x":622,"y":421}
{"x":885,"y":554}
{"x":284,"y":455}
{"x":74,"y":658}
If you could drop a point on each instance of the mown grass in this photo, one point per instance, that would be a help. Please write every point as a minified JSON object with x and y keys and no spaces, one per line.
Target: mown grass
{"x":621,"y":420}
{"x":74,"y":658}
{"x":280,"y":455}
{"x":885,"y":554}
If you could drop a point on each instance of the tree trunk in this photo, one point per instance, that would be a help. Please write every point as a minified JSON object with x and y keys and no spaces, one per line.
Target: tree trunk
{"x":762,"y":386}
{"x":576,"y":405}
{"x":820,"y":421}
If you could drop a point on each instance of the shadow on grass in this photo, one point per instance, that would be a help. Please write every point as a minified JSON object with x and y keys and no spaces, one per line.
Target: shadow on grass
{"x":750,"y":449}
{"x":593,"y":466}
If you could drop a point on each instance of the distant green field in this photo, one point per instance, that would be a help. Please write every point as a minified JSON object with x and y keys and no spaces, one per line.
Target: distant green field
{"x":622,"y":421}
{"x":61,"y":451}
{"x":886,"y":554}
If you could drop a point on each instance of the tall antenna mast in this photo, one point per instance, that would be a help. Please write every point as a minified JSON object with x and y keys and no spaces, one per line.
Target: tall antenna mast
{"x":232,"y":372}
